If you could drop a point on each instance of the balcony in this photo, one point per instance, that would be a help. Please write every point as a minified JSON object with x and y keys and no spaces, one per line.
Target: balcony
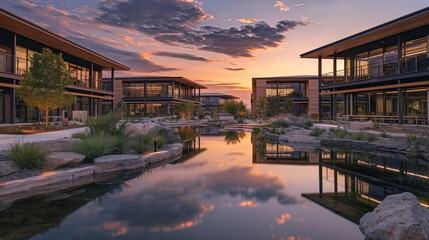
{"x":378,"y":70}
{"x":6,"y":64}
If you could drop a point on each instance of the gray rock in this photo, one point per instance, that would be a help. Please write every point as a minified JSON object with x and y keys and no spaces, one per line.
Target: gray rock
{"x":361,"y":125}
{"x":56,"y":160}
{"x":398,"y":217}
{"x":8,"y":167}
{"x":59,"y":145}
{"x":118,"y":163}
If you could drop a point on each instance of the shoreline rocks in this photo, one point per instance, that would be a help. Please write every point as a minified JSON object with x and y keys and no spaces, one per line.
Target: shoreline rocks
{"x":57,"y":160}
{"x":397,"y":217}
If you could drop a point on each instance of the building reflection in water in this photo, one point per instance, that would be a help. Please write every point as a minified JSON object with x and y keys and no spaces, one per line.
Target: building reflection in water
{"x":191,"y":141}
{"x":350,"y":183}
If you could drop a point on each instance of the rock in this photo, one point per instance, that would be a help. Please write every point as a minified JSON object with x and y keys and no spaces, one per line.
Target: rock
{"x":118,"y":163}
{"x":172,"y":136}
{"x":361,"y":125}
{"x":8,"y":167}
{"x":56,"y":160}
{"x":58,"y":145}
{"x":398,"y":217}
{"x":145,"y":128}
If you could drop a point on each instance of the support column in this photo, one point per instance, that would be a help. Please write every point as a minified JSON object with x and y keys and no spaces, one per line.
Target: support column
{"x":334,"y":109}
{"x":400,"y":70}
{"x":320,"y":84}
{"x":320,"y":180}
{"x":14,"y":70}
{"x":400,"y":105}
{"x":335,"y":67}
{"x":335,"y":181}
{"x":331,"y":106}
{"x":352,"y":68}
{"x":91,"y":76}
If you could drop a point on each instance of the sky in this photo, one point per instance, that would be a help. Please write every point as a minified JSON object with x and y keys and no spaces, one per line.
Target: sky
{"x":222,"y":44}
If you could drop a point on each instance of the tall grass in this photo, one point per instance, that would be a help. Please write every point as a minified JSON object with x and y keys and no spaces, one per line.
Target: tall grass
{"x":95,"y":146}
{"x":27,"y":155}
{"x":339,"y":133}
{"x":108,"y":124}
{"x":141,"y":143}
{"x":317,"y":132}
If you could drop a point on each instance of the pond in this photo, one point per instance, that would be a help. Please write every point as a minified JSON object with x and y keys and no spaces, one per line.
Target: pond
{"x":235,"y":186}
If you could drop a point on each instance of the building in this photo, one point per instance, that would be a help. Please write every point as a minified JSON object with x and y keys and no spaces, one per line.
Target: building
{"x":213,"y":102}
{"x":302,"y":89}
{"x":19,"y":39}
{"x":381,"y":73}
{"x":156,"y":96}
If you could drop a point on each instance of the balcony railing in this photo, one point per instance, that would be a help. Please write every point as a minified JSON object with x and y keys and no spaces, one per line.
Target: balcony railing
{"x":13,"y":64}
{"x":378,"y":70}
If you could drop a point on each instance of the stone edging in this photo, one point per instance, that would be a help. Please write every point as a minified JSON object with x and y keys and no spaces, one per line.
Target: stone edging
{"x":51,"y":182}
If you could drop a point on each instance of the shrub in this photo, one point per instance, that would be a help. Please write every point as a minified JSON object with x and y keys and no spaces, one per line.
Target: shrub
{"x":256,"y":130}
{"x":27,"y":155}
{"x":358,"y":136}
{"x":385,"y":135}
{"x":108,"y":124}
{"x":372,"y":137}
{"x":317,"y":132}
{"x":141,"y":143}
{"x":95,"y":146}
{"x":280,"y":123}
{"x":80,"y":135}
{"x":339,"y":133}
{"x":121,"y":143}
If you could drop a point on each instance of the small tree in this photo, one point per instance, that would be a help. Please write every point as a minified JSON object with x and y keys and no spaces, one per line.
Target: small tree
{"x":186,"y":110}
{"x":235,"y":108}
{"x":261,"y":107}
{"x":277,"y":105}
{"x":121,"y":109}
{"x":43,"y":86}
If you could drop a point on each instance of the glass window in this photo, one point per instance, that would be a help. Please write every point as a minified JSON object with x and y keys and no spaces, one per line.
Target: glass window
{"x":416,"y":55}
{"x":416,"y":102}
{"x":21,"y":60}
{"x":361,"y":66}
{"x":390,"y":60}
{"x":375,"y":62}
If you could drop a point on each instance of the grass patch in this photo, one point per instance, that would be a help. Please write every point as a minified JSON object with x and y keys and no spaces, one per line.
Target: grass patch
{"x":141,"y":143}
{"x":27,"y":155}
{"x":339,"y":133}
{"x":80,"y":135}
{"x":317,"y":132}
{"x":95,"y":146}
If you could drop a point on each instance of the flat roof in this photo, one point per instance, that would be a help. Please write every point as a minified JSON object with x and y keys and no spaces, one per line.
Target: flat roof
{"x":161,"y":78}
{"x":219,"y":95}
{"x":23,"y":27}
{"x":408,"y":22}
{"x":297,"y":77}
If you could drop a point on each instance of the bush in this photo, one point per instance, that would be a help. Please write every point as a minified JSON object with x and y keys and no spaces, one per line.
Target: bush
{"x":141,"y":143}
{"x":108,"y":124}
{"x":121,"y":143}
{"x":80,"y":135}
{"x":280,"y":123}
{"x":339,"y":133}
{"x":372,"y":137}
{"x":358,"y":136}
{"x":317,"y":132}
{"x":95,"y":146}
{"x":256,"y":130}
{"x":27,"y":155}
{"x":385,"y":135}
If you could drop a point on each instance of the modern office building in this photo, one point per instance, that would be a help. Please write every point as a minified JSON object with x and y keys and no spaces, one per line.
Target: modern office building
{"x":156,"y":96}
{"x":381,"y":73}
{"x":213,"y":102}
{"x":19,"y":39}
{"x":302,"y":89}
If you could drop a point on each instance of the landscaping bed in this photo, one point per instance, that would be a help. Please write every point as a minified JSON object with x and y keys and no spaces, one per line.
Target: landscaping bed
{"x":34,"y":128}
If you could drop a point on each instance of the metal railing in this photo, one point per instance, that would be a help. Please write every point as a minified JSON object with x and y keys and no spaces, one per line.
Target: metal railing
{"x":378,"y":70}
{"x":13,"y":64}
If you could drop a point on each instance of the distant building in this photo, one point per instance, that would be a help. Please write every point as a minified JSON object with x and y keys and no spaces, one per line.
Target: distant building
{"x":384,"y":72}
{"x":212,"y":102}
{"x":19,"y":40}
{"x":156,"y":96}
{"x":302,"y":89}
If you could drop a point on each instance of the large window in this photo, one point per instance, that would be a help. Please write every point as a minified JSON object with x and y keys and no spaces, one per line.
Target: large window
{"x":133,"y":90}
{"x":296,"y":89}
{"x":159,"y":90}
{"x":361,"y":65}
{"x":416,"y":102}
{"x":415,"y":53}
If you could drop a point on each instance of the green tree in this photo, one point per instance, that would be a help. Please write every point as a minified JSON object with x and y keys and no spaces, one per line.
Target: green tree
{"x":121,"y":109}
{"x":261,"y":107}
{"x":277,"y":105}
{"x":186,"y":110}
{"x":44,"y":84}
{"x":235,"y":108}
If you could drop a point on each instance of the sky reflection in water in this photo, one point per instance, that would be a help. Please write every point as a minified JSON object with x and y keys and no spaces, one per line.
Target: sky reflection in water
{"x":218,"y":194}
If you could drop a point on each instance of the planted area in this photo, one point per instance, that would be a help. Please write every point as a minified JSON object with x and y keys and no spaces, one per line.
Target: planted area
{"x":27,"y":155}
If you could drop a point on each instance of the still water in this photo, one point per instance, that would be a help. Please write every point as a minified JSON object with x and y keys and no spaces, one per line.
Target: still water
{"x":225,"y":187}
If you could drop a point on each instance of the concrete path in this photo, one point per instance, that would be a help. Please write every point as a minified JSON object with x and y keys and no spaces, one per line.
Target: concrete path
{"x":7,"y":139}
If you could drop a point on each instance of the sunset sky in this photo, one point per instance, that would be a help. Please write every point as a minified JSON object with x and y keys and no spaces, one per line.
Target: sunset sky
{"x":219,"y":43}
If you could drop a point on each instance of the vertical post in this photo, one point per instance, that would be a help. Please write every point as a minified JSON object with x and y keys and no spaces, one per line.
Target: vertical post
{"x":400,"y":70}
{"x":320,"y":181}
{"x":13,"y":102}
{"x":335,"y":181}
{"x":145,"y":89}
{"x":334,"y":109}
{"x":320,"y":84}
{"x":91,"y":76}
{"x":400,"y":105}
{"x":352,"y":68}
{"x":331,"y":106}
{"x":335,"y":67}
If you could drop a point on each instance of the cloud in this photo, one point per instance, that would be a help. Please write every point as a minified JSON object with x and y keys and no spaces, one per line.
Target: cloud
{"x":282,"y":6}
{"x":179,"y":23}
{"x":181,"y":56}
{"x":235,"y":69}
{"x":247,"y":20}
{"x":299,"y":5}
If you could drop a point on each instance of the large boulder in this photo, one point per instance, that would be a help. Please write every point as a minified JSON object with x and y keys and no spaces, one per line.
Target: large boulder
{"x":56,"y":160}
{"x":118,"y":163}
{"x":361,"y":125}
{"x":145,"y":128}
{"x":8,"y":167}
{"x":397,"y":217}
{"x":58,"y":145}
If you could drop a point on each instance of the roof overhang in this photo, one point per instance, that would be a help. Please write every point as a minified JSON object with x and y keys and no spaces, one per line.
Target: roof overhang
{"x":161,"y":79}
{"x":408,"y":22}
{"x":18,"y":25}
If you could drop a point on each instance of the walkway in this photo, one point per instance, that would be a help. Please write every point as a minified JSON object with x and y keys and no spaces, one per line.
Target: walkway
{"x":7,"y":139}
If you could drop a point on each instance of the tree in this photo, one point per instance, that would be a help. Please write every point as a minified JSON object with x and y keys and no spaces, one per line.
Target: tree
{"x":186,"y":110}
{"x":43,"y":85}
{"x":121,"y":109}
{"x":235,"y":108}
{"x":277,"y":105}
{"x":261,"y":107}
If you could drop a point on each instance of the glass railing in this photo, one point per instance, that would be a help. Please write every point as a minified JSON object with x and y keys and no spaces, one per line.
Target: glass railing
{"x":12,"y":64}
{"x":378,"y":70}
